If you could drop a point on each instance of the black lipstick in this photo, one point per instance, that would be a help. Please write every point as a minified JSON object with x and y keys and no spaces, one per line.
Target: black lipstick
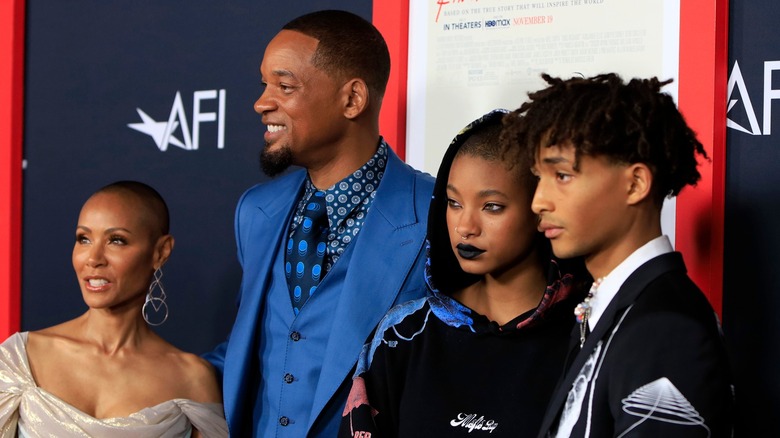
{"x":469,"y":252}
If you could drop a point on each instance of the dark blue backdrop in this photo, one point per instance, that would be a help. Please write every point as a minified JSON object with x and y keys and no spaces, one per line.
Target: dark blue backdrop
{"x":89,"y":67}
{"x":751,"y":290}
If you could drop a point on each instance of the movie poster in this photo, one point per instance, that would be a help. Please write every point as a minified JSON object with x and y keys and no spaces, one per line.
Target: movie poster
{"x":467,"y":57}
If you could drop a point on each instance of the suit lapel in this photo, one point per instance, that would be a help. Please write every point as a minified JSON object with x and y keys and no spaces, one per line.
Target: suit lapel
{"x":260,"y":226}
{"x":634,"y":285}
{"x":384,"y":253}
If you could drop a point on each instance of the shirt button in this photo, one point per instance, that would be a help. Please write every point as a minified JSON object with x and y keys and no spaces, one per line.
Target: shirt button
{"x":288,"y":378}
{"x":295,"y":336}
{"x":284,"y":421}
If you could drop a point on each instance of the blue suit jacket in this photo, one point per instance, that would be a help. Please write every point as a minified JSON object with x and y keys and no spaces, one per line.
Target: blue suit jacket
{"x":392,"y":238}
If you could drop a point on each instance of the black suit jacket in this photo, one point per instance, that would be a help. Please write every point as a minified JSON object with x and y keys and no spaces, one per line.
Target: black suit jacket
{"x":654,"y":365}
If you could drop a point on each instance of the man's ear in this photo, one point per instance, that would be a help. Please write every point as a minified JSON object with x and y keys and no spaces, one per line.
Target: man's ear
{"x":356,"y":98}
{"x":640,"y":183}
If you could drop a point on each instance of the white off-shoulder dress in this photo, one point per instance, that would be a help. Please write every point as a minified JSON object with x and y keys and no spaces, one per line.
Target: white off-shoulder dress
{"x":29,"y":411}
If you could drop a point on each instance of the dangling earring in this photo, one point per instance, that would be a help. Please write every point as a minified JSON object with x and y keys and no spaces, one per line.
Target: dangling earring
{"x":156,"y":298}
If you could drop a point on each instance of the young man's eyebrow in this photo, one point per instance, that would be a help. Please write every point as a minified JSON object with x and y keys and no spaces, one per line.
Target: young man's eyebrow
{"x":555,"y":160}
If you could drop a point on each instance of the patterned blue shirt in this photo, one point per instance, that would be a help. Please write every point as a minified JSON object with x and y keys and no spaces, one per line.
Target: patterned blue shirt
{"x":348,"y":202}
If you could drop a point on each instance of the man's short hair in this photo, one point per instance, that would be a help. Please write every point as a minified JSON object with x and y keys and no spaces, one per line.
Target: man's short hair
{"x":349,"y":46}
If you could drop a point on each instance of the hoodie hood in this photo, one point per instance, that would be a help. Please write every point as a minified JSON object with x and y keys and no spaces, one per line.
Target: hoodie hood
{"x":444,"y":272}
{"x":444,"y":275}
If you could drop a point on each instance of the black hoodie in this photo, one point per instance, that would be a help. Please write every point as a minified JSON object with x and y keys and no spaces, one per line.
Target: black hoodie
{"x":436,"y":368}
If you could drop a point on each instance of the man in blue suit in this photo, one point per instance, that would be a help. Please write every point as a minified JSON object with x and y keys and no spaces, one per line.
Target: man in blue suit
{"x":287,"y":363}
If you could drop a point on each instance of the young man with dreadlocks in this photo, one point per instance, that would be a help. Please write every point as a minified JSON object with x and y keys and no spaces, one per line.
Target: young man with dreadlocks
{"x":648,"y":358}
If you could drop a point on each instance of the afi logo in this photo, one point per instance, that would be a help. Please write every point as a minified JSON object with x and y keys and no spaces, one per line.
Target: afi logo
{"x":163,"y":132}
{"x":743,"y":98}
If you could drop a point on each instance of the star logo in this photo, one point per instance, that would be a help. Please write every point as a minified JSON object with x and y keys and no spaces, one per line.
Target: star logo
{"x":157,"y":130}
{"x":162,"y":132}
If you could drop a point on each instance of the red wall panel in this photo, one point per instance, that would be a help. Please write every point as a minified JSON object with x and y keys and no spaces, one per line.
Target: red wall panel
{"x":11,"y":102}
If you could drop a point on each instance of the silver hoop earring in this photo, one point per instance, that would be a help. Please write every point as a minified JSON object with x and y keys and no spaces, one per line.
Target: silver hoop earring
{"x":156,"y":297}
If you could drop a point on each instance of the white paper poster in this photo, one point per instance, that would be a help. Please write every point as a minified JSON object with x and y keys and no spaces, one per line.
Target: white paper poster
{"x":467,"y":57}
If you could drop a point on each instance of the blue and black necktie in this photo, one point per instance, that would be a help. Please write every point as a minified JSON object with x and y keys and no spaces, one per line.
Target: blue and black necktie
{"x":306,"y":251}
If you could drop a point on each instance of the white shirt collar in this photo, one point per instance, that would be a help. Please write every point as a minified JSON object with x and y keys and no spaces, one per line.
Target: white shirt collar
{"x":615,"y":279}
